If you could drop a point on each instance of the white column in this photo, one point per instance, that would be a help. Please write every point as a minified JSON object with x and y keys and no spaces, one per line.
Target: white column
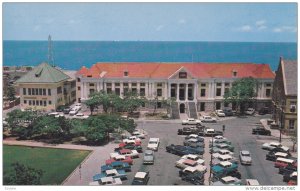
{"x":113,"y":87}
{"x":177,"y":96}
{"x":81,"y":90}
{"x":121,"y":89}
{"x":98,"y":86}
{"x":129,"y":86}
{"x":165,"y":85}
{"x":146,"y":90}
{"x":223,"y":89}
{"x":186,"y":91}
{"x":262,"y":90}
{"x":169,"y":89}
{"x":195,"y":88}
{"x":209,"y":90}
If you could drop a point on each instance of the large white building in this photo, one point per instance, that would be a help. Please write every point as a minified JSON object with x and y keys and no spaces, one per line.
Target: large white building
{"x":195,"y":86}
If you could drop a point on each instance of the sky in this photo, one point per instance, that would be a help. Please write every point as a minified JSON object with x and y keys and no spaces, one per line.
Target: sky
{"x":247,"y":22}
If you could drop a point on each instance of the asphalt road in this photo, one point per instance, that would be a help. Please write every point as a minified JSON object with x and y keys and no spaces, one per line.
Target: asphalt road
{"x":238,"y":131}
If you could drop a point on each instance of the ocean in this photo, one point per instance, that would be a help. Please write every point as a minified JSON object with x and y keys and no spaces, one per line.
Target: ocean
{"x":72,"y":55}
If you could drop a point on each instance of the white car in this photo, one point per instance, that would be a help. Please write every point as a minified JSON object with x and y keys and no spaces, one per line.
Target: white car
{"x":224,"y":158}
{"x":273,"y":145}
{"x":228,"y":180}
{"x":153,"y":144}
{"x":250,"y":111}
{"x":132,"y":138}
{"x":207,"y":118}
{"x":196,"y":158}
{"x":191,"y":121}
{"x":78,"y":105}
{"x":74,"y":111}
{"x":184,"y":163}
{"x":220,"y":113}
{"x":252,"y":182}
{"x":222,"y":152}
{"x":107,"y":181}
{"x":245,"y":157}
{"x":139,"y":134}
{"x":129,"y":153}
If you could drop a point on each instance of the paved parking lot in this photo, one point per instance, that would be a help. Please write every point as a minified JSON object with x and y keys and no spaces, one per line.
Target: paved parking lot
{"x":238,"y":131}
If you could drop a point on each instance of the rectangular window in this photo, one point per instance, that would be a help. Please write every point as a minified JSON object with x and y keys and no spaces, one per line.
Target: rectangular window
{"x":40,"y":91}
{"x":142,"y":84}
{"x":32,"y":91}
{"x":29,"y":102}
{"x":45,"y":103}
{"x":203,"y":92}
{"x":125,"y":91}
{"x":24,"y":91}
{"x":159,"y":84}
{"x":108,"y":84}
{"x":134,"y":90}
{"x":25,"y":101}
{"x":49,"y":102}
{"x":202,"y":106}
{"x":218,"y":93}
{"x":268,"y":92}
{"x":268,"y":85}
{"x":125,"y":73}
{"x":44,"y":91}
{"x":125,"y":84}
{"x":29,"y":91}
{"x":291,"y":124}
{"x":219,"y":84}
{"x":226,"y":90}
{"x":108,"y":90}
{"x":41,"y":102}
{"x":142,"y":92}
{"x":293,"y":106}
{"x":159,"y":104}
{"x":203,"y":85}
{"x":159,"y":92}
{"x":218,"y":105}
{"x":36,"y":91}
{"x":37,"y":102}
{"x":78,"y":79}
{"x":133,"y":84}
{"x":226,"y":84}
{"x":33,"y":102}
{"x":59,"y":90}
{"x":117,"y":91}
{"x":49,"y":92}
{"x":78,"y":88}
{"x":182,"y":75}
{"x":117,"y":84}
{"x":92,"y":84}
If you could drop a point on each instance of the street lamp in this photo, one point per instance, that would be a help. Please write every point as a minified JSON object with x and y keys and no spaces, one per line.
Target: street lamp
{"x":281,"y":123}
{"x":211,"y":158}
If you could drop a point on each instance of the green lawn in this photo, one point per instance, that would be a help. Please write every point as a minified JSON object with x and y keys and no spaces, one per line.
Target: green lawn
{"x":57,"y":164}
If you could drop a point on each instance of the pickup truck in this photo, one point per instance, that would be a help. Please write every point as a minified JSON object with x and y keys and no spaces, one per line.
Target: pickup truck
{"x":191,"y":121}
{"x":261,"y":131}
{"x":188,"y":131}
{"x":210,"y":132}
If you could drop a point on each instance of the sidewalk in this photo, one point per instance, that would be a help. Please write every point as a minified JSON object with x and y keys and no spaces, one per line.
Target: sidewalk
{"x":274,"y":132}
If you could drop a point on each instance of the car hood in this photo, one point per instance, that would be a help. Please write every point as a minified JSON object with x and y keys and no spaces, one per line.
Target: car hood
{"x":148,"y":158}
{"x":245,"y":158}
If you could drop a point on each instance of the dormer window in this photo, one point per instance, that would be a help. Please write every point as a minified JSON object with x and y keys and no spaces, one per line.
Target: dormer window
{"x":234,"y":73}
{"x":125,"y":73}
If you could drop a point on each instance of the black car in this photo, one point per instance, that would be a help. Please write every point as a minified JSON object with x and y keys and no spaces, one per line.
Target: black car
{"x":263,"y":111}
{"x":228,"y":111}
{"x":272,"y":156}
{"x":194,"y":144}
{"x":261,"y":131}
{"x":290,"y":176}
{"x":196,"y":178}
{"x":141,"y":178}
{"x":60,"y":108}
{"x":194,"y":150}
{"x":279,"y":149}
{"x":188,"y":131}
{"x":177,"y":150}
{"x":67,"y":110}
{"x":288,"y":169}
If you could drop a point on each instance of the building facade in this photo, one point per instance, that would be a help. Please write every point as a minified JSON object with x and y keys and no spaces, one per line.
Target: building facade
{"x":45,"y":88}
{"x":284,"y":97}
{"x":200,"y":85}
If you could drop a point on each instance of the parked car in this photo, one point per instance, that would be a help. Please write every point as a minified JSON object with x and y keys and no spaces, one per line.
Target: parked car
{"x":119,"y":158}
{"x":148,"y":157}
{"x":219,"y":141}
{"x":221,"y":152}
{"x":290,"y":176}
{"x":252,"y":182}
{"x":73,"y":111}
{"x":130,"y":142}
{"x":261,"y":131}
{"x":250,"y":111}
{"x":192,"y":175}
{"x":228,"y":111}
{"x":218,"y":147}
{"x":177,"y":150}
{"x":289,"y":168}
{"x":193,"y":142}
{"x":281,"y":149}
{"x":78,"y":105}
{"x":194,"y":136}
{"x":208,"y":119}
{"x":194,"y":150}
{"x":220,"y":113}
{"x":130,"y":153}
{"x":228,"y":180}
{"x":188,"y":131}
{"x":224,"y":166}
{"x":191,"y":121}
{"x":106,"y":181}
{"x":153,"y":144}
{"x":116,"y":165}
{"x":139,"y":134}
{"x":245,"y":157}
{"x":208,"y":132}
{"x":272,"y":156}
{"x":138,"y":148}
{"x":132,"y":138}
{"x":141,"y":178}
{"x":283,"y":162}
{"x":196,"y":158}
{"x":111,"y":173}
{"x":272,"y":145}
{"x":263,"y":111}
{"x":233,"y":173}
{"x":67,"y":110}
{"x":60,"y":108}
{"x":223,"y":158}
{"x":184,"y":163}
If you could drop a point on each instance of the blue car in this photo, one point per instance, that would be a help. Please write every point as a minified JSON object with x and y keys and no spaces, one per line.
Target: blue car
{"x":224,"y":167}
{"x":111,"y":173}
{"x":119,"y":165}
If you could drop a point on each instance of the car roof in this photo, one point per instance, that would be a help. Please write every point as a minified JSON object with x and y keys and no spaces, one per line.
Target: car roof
{"x":191,"y":118}
{"x":193,"y":140}
{"x":245,"y":152}
{"x":228,"y":178}
{"x":274,"y":143}
{"x":111,"y":171}
{"x":140,"y":175}
{"x":189,"y":162}
{"x":225,"y":156}
{"x":117,"y":163}
{"x":294,"y":173}
{"x":252,"y":182}
{"x":224,"y":150}
{"x":153,"y":139}
{"x":120,"y":157}
{"x":190,"y":168}
{"x":125,"y":150}
{"x":191,"y":156}
{"x":219,"y":137}
{"x":285,"y":160}
{"x":281,"y":154}
{"x":193,"y":135}
{"x":107,"y":179}
{"x":225,"y":163}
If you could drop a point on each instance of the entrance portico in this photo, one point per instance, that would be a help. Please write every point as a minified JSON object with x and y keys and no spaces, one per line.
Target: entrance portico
{"x":183,"y":91}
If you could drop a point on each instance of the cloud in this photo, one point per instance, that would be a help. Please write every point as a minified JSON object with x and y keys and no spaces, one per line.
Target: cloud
{"x":181,"y":21}
{"x":245,"y":28}
{"x":159,"y":27}
{"x":260,"y":23}
{"x":285,"y":29}
{"x":262,"y":27}
{"x":36,"y":28}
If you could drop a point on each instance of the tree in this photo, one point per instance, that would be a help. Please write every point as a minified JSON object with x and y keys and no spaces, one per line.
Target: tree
{"x":132,"y":101}
{"x":92,"y":103}
{"x":294,"y":139}
{"x":11,"y":93}
{"x":23,"y":175}
{"x":167,"y":103}
{"x":242,"y":91}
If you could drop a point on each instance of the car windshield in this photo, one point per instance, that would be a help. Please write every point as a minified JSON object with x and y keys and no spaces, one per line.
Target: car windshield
{"x":246,"y":154}
{"x":152,"y":142}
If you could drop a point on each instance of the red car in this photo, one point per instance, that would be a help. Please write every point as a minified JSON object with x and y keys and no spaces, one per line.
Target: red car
{"x":121,"y":158}
{"x":283,"y":162}
{"x":292,"y":183}
{"x":135,"y":143}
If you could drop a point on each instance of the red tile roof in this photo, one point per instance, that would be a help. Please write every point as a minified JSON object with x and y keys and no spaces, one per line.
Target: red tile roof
{"x":165,"y":70}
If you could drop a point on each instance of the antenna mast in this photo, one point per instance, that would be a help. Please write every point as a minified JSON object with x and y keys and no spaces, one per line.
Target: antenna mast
{"x":50,"y":52}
